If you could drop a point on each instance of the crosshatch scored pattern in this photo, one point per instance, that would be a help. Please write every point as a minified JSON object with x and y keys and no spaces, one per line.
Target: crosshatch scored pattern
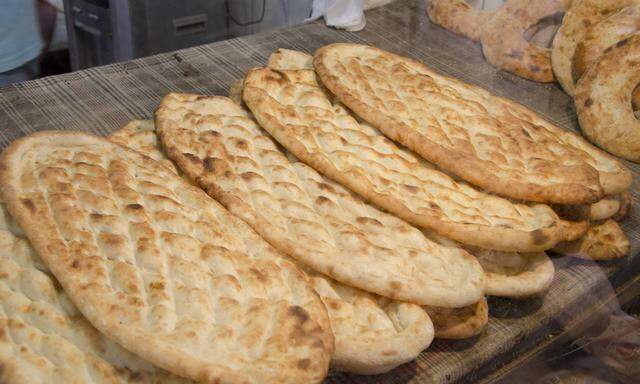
{"x":163,"y":269}
{"x":102,"y":99}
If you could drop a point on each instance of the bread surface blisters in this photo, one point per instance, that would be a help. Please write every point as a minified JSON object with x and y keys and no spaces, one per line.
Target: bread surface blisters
{"x":372,"y":334}
{"x":507,"y":274}
{"x":44,"y":338}
{"x":140,"y":135}
{"x":489,"y":141}
{"x":315,"y":221}
{"x":160,"y":267}
{"x":295,"y":110}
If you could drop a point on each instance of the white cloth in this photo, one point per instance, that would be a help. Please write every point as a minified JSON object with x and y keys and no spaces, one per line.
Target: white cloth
{"x":343,"y":14}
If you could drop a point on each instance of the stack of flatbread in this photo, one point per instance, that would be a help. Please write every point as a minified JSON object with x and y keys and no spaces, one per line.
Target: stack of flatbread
{"x":334,"y":211}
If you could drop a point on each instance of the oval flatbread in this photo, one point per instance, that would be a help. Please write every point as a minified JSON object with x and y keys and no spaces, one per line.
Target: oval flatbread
{"x":516,"y":275}
{"x":295,"y":110}
{"x":372,"y":334}
{"x":160,"y":267}
{"x":489,"y":141}
{"x":604,"y":209}
{"x":509,"y":274}
{"x":603,"y":241}
{"x":315,"y":221}
{"x":506,"y":274}
{"x":460,"y":323}
{"x":45,"y":339}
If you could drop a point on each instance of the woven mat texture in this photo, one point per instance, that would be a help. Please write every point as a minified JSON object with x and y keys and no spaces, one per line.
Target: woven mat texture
{"x":101,"y":99}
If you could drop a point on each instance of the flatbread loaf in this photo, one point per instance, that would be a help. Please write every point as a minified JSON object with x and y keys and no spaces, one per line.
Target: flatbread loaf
{"x":235,"y":92}
{"x":603,"y":100}
{"x":504,"y":43}
{"x":625,"y":206}
{"x":603,"y":209}
{"x":45,"y":340}
{"x":603,"y":241}
{"x":140,"y":135}
{"x":293,"y":108}
{"x":160,"y":267}
{"x":489,"y":141}
{"x":459,"y":17}
{"x":372,"y":334}
{"x":220,"y":147}
{"x":516,"y":275}
{"x":608,"y":32}
{"x":283,"y":59}
{"x":581,"y":16}
{"x":460,"y":323}
{"x":507,"y":274}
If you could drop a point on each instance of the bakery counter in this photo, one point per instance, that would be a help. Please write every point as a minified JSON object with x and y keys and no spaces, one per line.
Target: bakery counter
{"x":102,"y":99}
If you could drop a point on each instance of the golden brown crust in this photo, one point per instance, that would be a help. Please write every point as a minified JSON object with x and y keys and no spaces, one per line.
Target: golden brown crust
{"x":140,"y":136}
{"x":41,"y":322}
{"x":516,"y":275}
{"x":614,"y":177}
{"x":603,"y":241}
{"x":608,"y":207}
{"x":582,"y":15}
{"x":509,"y":274}
{"x":459,"y":17}
{"x":616,"y":27}
{"x":372,"y":334}
{"x":385,"y":174}
{"x":625,"y":206}
{"x":313,"y":220}
{"x":574,"y":229}
{"x":51,"y":178}
{"x":604,"y":209}
{"x":505,"y":46}
{"x":603,"y":100}
{"x":284,"y":59}
{"x":489,"y":141}
{"x":235,"y":92}
{"x":459,"y":323}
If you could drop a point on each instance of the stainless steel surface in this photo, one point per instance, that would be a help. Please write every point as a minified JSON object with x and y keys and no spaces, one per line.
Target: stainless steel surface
{"x":252,"y":16}
{"x":107,"y":31}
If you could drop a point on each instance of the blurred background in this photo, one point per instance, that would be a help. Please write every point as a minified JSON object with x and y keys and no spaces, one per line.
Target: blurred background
{"x":48,"y":37}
